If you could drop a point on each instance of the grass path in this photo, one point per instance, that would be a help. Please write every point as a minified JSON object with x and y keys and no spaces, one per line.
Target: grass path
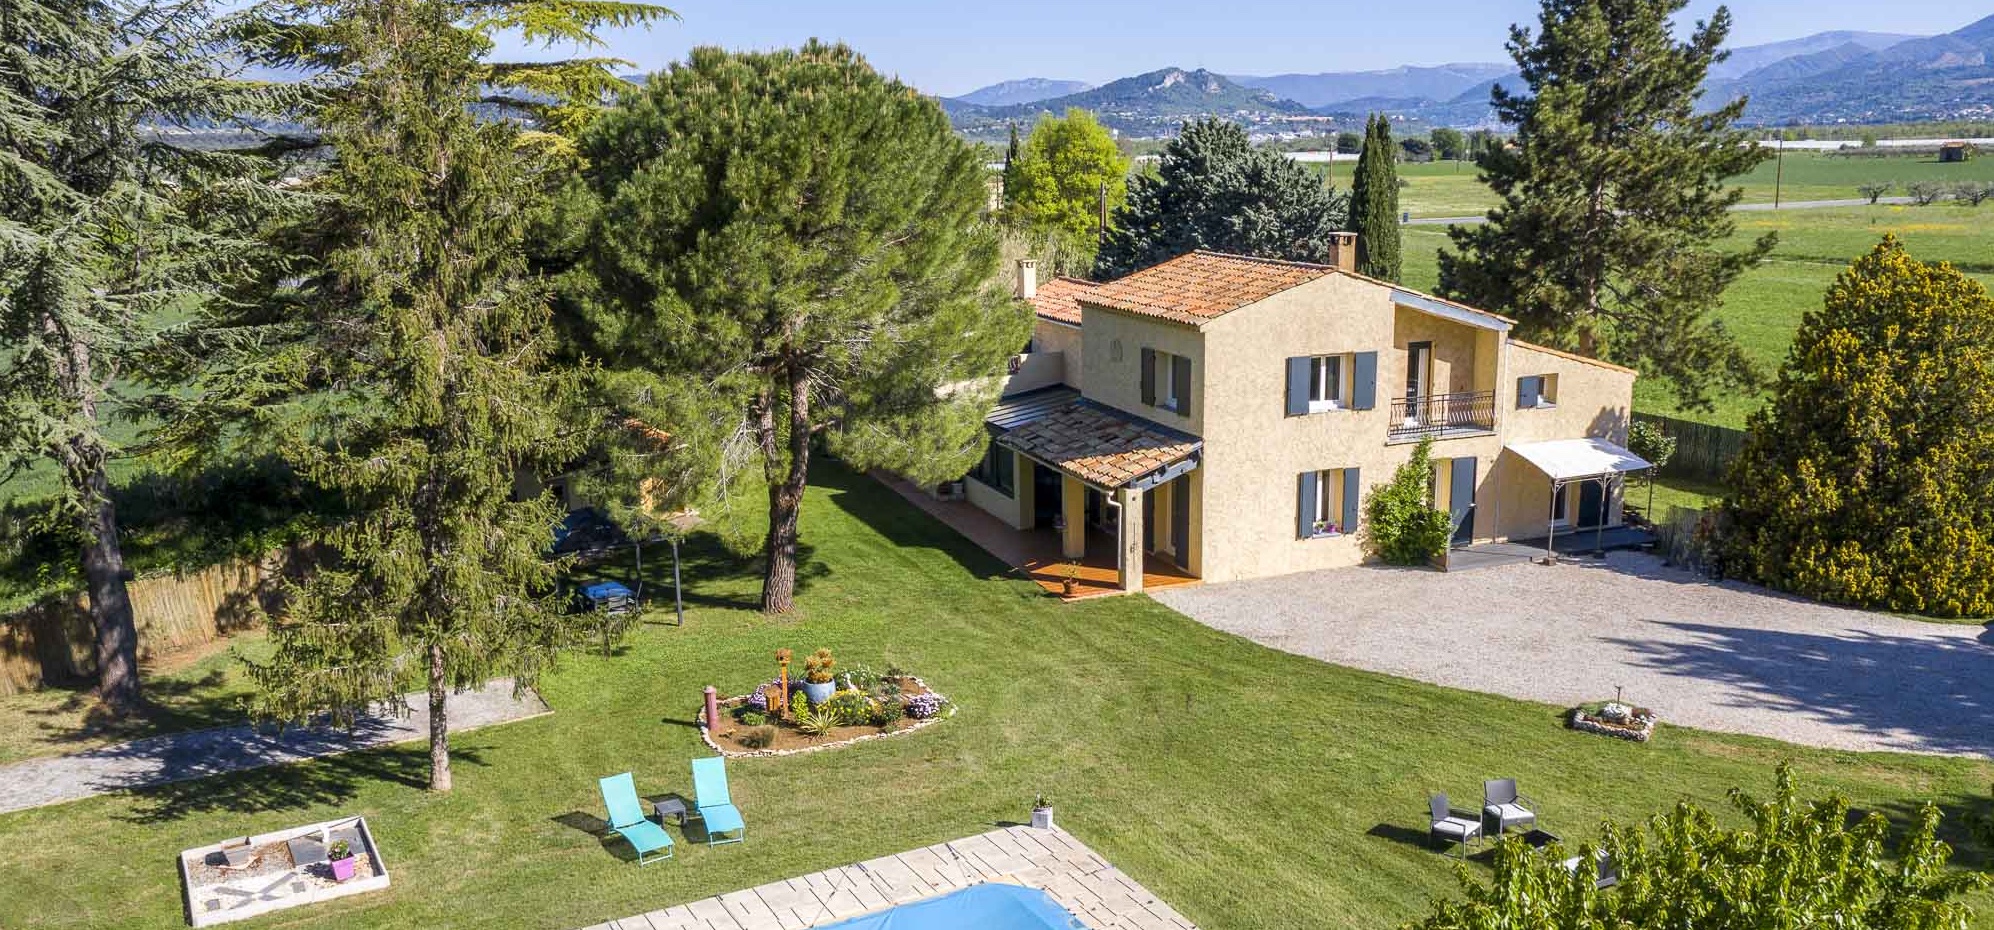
{"x":1249,"y":788}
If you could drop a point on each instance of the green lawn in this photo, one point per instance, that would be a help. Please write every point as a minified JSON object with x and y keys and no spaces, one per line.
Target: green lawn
{"x":1450,"y":188}
{"x":1764,"y":308}
{"x":1250,"y":788}
{"x":202,"y":688}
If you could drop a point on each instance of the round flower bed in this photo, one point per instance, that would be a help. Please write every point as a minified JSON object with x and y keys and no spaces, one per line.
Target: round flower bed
{"x":863,"y":707}
{"x":1612,"y":718}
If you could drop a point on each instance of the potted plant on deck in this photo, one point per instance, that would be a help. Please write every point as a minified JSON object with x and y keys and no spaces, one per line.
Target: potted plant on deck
{"x":1069,"y":580}
{"x":819,"y":676}
{"x":340,"y":857}
{"x":1042,"y":813}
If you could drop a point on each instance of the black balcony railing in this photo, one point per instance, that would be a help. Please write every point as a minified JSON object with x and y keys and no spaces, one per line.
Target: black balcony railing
{"x":1440,"y":415}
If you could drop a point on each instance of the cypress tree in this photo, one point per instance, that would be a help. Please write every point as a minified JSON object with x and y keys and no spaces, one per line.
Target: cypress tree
{"x":1374,"y":202}
{"x":1608,"y":238}
{"x":789,"y":247}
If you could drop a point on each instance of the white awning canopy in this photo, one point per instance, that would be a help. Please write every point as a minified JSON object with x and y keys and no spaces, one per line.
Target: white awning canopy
{"x":1573,"y":459}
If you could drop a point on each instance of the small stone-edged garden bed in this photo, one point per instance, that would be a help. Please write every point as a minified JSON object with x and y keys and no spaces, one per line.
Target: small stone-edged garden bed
{"x":1615,"y":719}
{"x":778,"y":718}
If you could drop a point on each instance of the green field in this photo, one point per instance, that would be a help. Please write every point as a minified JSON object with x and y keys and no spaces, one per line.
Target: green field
{"x":1139,"y":722}
{"x":1450,"y":188}
{"x":1764,"y":308}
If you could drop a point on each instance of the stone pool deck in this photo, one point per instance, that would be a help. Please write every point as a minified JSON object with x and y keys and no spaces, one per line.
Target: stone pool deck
{"x":1050,"y":860}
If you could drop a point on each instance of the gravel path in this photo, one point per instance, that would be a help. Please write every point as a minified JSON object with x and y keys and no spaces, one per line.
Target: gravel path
{"x":159,"y":760}
{"x":1717,"y":656}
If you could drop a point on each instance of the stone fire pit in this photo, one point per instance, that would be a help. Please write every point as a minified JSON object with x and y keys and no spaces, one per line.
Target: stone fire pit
{"x":248,"y":876}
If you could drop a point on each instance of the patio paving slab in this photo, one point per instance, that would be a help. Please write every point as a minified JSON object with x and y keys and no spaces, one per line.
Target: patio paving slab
{"x":1102,"y":896}
{"x":1713,"y":655}
{"x":159,"y":760}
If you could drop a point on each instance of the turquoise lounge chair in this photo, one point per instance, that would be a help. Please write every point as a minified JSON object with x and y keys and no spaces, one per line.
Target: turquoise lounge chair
{"x":626,"y":819}
{"x":716,"y":807}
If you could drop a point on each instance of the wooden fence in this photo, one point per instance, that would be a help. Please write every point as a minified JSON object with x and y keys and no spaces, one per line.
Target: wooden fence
{"x":1703,"y":452}
{"x":51,"y":642}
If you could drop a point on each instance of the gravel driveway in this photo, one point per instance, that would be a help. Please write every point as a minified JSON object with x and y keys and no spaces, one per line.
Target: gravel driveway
{"x":1716,"y":656}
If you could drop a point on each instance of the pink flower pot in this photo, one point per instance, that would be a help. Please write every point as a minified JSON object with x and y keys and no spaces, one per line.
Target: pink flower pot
{"x":342,"y":869}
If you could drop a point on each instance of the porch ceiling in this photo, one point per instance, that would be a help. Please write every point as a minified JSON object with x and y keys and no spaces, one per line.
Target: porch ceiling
{"x":1099,"y":445}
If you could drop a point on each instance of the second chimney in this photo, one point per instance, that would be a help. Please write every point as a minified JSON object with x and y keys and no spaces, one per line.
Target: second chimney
{"x":1343,"y":251}
{"x":1028,"y":278}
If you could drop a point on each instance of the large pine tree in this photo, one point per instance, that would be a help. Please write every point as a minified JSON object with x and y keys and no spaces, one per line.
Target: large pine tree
{"x":789,"y":247}
{"x":398,"y":355}
{"x":99,"y":245}
{"x":1609,"y":237}
{"x":1868,"y":478}
{"x":1213,"y":190}
{"x":1374,"y":201}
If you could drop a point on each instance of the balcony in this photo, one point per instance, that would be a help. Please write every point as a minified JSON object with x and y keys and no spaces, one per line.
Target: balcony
{"x":1442,"y":416}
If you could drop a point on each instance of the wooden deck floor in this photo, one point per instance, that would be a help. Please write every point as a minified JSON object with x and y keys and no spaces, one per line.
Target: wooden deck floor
{"x":1035,"y":553}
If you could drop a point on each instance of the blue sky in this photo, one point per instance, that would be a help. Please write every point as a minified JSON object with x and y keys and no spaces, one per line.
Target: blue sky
{"x":951,"y":48}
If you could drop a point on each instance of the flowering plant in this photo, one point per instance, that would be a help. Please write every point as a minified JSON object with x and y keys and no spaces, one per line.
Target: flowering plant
{"x":923,"y":706}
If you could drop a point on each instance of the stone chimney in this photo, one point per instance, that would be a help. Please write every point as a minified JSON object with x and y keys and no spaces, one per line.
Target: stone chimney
{"x":1343,"y":251}
{"x":1028,"y":278}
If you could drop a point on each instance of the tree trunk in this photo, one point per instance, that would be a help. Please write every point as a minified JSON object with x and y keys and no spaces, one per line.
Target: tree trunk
{"x":786,"y":499}
{"x":82,"y":457}
{"x":110,"y":600}
{"x":439,"y":723}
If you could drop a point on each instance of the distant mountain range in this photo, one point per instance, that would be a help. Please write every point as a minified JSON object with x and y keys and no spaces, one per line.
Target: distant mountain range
{"x":1025,"y":90}
{"x":1821,"y":78}
{"x":1147,"y":104}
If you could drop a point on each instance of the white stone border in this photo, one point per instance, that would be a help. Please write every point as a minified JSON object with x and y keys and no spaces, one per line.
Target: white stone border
{"x":1586,"y":724}
{"x":918,"y":725}
{"x":312,"y":895}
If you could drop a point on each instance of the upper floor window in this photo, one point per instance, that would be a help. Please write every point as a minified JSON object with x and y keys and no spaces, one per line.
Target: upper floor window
{"x":1166,"y":381}
{"x":1326,"y":387}
{"x":1536,"y":391}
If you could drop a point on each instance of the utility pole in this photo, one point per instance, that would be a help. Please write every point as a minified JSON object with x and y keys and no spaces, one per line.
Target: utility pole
{"x":1104,"y":213}
{"x":1778,"y":169}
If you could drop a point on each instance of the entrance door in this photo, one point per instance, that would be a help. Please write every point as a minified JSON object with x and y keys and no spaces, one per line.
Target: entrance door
{"x":1461,"y":499}
{"x":1418,"y":371}
{"x":1180,"y":519}
{"x":1592,"y":504}
{"x":1046,"y":491}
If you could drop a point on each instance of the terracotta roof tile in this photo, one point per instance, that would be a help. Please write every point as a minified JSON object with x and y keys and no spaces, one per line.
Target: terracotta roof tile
{"x":1100,"y":445}
{"x":1200,"y":286}
{"x":1054,"y":300}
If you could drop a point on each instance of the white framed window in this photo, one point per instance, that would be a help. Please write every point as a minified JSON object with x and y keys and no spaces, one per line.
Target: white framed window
{"x":1329,"y":502}
{"x":1329,"y":387}
{"x":1166,"y":381}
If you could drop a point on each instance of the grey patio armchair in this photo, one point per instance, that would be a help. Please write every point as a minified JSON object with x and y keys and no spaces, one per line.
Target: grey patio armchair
{"x":1503,"y":807}
{"x":1452,"y":825}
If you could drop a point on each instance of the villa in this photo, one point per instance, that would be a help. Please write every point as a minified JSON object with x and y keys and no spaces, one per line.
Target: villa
{"x":1222,"y":417}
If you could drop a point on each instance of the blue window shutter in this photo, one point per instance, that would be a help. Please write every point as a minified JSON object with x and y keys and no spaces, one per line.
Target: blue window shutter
{"x":1149,"y":376}
{"x":1305,"y":506}
{"x":1364,"y":381}
{"x":1462,"y":498}
{"x":1528,"y":389}
{"x":1180,"y":377}
{"x":1352,"y":499}
{"x":1298,"y":385}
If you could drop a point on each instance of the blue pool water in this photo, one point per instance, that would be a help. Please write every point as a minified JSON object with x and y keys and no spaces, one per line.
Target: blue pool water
{"x":982,"y":907}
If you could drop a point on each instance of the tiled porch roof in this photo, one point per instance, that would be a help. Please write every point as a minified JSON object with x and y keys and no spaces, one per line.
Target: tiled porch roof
{"x":1099,"y":445}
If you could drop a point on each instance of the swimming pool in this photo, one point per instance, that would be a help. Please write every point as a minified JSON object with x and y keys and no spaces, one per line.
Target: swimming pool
{"x":984,"y":907}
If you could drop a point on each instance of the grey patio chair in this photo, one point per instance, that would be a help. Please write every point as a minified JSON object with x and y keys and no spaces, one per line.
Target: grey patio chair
{"x":1452,"y":825}
{"x":1503,"y":807}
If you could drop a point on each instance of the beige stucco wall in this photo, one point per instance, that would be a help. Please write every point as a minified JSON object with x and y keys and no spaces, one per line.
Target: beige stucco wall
{"x":1593,"y":400}
{"x":1113,"y":360}
{"x":1013,"y":510}
{"x":1051,"y":336}
{"x":1255,"y":453}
